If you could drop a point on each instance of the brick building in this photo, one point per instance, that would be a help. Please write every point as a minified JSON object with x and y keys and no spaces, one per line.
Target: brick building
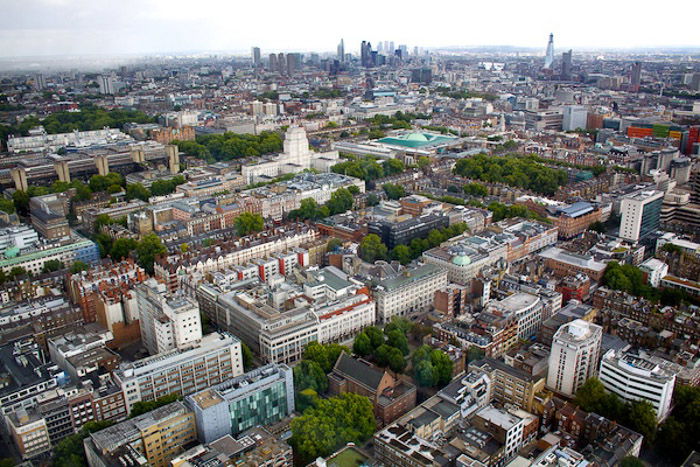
{"x":390,"y":396}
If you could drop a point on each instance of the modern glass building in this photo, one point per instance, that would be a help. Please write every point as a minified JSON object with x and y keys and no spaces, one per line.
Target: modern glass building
{"x":260,"y":397}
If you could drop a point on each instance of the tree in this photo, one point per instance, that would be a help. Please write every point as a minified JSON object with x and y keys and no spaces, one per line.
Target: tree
{"x":247,"y":355}
{"x":402,"y":254}
{"x":393,"y":166}
{"x":334,"y":244}
{"x":305,"y":399}
{"x":324,"y":354}
{"x":21,"y":201}
{"x":589,"y":395}
{"x":642,"y":419}
{"x":308,"y":374}
{"x":393,"y":191}
{"x":431,"y":367}
{"x":375,"y":335}
{"x":17,"y":271}
{"x":341,"y":201}
{"x":7,"y":206}
{"x":475,"y":189}
{"x":69,"y":452}
{"x":142,"y":407}
{"x":52,"y":265}
{"x":362,"y":346}
{"x":442,"y":367}
{"x":137,"y":191}
{"x":354,"y":190}
{"x":372,"y":248}
{"x":423,"y":162}
{"x":147,"y":249}
{"x":372,"y":199}
{"x":248,"y":223}
{"x":423,"y":373}
{"x":396,"y":338}
{"x":597,"y":226}
{"x":122,"y":248}
{"x":330,"y":424}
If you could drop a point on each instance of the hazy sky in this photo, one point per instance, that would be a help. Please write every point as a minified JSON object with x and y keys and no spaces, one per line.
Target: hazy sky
{"x":57,"y":27}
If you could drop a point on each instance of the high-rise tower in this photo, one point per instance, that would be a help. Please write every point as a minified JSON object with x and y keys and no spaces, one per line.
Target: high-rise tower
{"x":635,"y":76}
{"x":255,"y":52}
{"x":341,"y":51}
{"x":549,"y":56}
{"x":566,"y":65}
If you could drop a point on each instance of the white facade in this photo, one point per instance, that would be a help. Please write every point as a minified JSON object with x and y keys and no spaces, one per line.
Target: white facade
{"x":636,"y":377}
{"x":217,"y":359}
{"x":655,"y":270}
{"x":409,"y":292}
{"x":574,"y":117}
{"x":634,"y":217}
{"x":167,"y":321}
{"x":296,"y":156}
{"x":527,"y":308}
{"x":574,"y":356}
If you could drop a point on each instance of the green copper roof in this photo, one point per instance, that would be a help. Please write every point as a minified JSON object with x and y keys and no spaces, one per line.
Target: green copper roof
{"x":416,"y":139}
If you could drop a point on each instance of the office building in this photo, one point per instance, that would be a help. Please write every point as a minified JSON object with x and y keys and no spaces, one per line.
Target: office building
{"x":29,"y":433}
{"x":640,"y":214}
{"x":278,"y":318}
{"x":634,"y":377}
{"x":408,"y":292}
{"x":341,"y":51}
{"x":574,"y":356}
{"x":168,"y":321}
{"x":566,"y":65}
{"x":217,"y":359}
{"x":272,"y":63}
{"x":402,"y":232}
{"x":152,"y":439}
{"x":256,"y":57}
{"x":574,"y":118}
{"x":263,"y":396}
{"x":635,"y":76}
{"x":464,"y":259}
{"x":549,"y":54}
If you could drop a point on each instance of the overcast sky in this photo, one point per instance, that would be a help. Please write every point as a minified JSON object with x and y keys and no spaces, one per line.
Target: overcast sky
{"x":108,"y":27}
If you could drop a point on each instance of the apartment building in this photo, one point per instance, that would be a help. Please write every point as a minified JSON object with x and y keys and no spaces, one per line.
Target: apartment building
{"x":153,"y":439}
{"x":574,"y":357}
{"x":217,"y":358}
{"x":176,"y":267}
{"x":167,"y":321}
{"x":510,"y":385}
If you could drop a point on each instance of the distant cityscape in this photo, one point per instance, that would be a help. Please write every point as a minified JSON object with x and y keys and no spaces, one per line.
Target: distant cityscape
{"x":381,"y":255}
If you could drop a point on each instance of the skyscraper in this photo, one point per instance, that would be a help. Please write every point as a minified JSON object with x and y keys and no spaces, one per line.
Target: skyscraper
{"x":341,"y":51}
{"x":256,"y":57}
{"x":366,"y":54}
{"x":566,"y":65}
{"x":293,"y":61}
{"x":273,"y":62}
{"x":635,"y":76}
{"x":281,"y":63}
{"x":106,"y":84}
{"x":549,"y":55}
{"x":574,"y":356}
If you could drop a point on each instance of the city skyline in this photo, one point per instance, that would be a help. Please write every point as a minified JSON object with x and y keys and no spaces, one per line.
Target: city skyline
{"x":78,"y":27}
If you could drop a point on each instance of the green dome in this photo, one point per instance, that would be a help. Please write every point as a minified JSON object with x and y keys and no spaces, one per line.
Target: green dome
{"x":461,"y":260}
